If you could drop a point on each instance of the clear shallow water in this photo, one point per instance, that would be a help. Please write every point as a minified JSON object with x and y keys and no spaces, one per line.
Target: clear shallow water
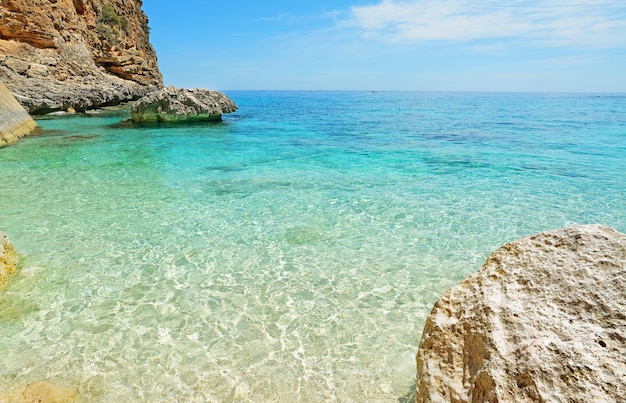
{"x":291,"y":253}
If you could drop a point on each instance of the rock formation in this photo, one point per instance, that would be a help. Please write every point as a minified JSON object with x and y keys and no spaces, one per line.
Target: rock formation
{"x":8,"y":259}
{"x":80,"y":54}
{"x":172,"y":104}
{"x":14,"y":120}
{"x":544,"y":320}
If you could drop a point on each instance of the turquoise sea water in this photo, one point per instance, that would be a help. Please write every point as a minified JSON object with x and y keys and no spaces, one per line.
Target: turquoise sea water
{"x":290,"y":253}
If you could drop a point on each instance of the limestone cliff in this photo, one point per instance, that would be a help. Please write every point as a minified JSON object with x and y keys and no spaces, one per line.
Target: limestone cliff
{"x":544,"y":320}
{"x":14,"y":121}
{"x":80,"y":54}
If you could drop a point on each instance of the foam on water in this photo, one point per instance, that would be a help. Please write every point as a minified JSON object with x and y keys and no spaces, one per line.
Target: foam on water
{"x":290,"y":253}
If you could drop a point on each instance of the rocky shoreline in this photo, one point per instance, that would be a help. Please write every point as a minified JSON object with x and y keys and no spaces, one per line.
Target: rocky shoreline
{"x":71,"y":56}
{"x":74,"y":56}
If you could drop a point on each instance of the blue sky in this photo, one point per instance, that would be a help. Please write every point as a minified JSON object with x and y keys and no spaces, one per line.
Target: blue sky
{"x":423,"y":45}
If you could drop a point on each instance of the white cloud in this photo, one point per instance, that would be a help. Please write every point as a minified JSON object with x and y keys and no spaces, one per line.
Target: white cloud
{"x":599,"y":23}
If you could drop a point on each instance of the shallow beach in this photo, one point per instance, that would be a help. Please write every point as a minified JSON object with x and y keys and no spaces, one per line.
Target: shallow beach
{"x":291,"y":252}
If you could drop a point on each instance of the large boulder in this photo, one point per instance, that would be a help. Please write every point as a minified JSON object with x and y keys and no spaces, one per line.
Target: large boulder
{"x":171,"y":104}
{"x":544,"y":320}
{"x":15,"y":122}
{"x":8,"y":259}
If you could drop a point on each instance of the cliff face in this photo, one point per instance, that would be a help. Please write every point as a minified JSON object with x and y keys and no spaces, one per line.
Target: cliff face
{"x":57,"y":54}
{"x":544,"y":320}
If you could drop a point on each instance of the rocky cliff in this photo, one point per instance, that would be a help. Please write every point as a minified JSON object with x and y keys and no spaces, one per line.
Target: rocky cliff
{"x":544,"y":320}
{"x":80,"y":54}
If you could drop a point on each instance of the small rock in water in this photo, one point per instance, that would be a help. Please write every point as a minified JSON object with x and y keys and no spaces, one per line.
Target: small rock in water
{"x":177,"y":105}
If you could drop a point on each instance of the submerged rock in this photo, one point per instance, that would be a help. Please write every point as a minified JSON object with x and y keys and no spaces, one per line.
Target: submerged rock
{"x":544,"y":319}
{"x":46,"y":392}
{"x":173,"y":104}
{"x":8,"y":260}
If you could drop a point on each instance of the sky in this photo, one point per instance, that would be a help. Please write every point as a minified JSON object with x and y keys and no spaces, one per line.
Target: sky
{"x":411,"y":45}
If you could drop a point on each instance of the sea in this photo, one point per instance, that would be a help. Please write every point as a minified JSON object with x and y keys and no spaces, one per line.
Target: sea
{"x":291,"y":252}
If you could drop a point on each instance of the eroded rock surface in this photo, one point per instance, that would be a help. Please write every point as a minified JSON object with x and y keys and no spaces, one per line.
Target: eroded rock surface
{"x":80,"y":54}
{"x":173,"y":104}
{"x":544,"y":320}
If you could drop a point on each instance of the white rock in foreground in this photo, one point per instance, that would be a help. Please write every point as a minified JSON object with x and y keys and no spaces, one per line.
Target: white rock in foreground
{"x":177,"y":105}
{"x":544,"y":320}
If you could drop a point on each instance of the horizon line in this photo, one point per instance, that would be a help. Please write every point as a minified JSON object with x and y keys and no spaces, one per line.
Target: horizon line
{"x":432,"y":91}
